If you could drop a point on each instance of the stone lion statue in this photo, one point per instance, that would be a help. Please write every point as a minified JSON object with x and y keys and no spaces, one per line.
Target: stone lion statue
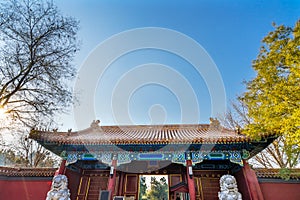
{"x":59,"y":189}
{"x":229,"y":190}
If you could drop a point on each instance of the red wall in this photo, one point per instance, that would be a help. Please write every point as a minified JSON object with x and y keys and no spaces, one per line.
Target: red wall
{"x":279,"y":191}
{"x":24,"y":188}
{"x":36,"y":188}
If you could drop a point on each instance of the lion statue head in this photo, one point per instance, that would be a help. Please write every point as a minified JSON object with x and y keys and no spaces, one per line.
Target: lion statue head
{"x":229,"y":190}
{"x":59,"y":189}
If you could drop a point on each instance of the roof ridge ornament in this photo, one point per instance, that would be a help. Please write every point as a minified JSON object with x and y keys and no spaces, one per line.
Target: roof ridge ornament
{"x":214,"y":123}
{"x":95,"y":124}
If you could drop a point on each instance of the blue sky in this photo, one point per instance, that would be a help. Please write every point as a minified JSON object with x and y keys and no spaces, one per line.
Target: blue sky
{"x":229,"y":31}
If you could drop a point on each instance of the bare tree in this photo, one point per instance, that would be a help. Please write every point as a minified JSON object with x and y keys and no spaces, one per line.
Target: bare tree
{"x":36,"y":51}
{"x":34,"y":154}
{"x":28,"y":153}
{"x":236,"y":117}
{"x":277,"y":155}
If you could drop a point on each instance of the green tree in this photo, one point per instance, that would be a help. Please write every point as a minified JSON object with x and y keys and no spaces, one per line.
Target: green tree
{"x":143,"y":187}
{"x":273,"y":96}
{"x":36,"y":51}
{"x":159,"y":189}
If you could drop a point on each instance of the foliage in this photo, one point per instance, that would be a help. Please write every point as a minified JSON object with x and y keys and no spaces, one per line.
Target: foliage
{"x":273,"y":96}
{"x":159,"y":189}
{"x":143,"y":187}
{"x":277,"y":155}
{"x":271,"y":104}
{"x":36,"y":50}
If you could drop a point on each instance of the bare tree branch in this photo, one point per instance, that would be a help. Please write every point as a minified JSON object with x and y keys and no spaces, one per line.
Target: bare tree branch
{"x":35,"y":60}
{"x":277,"y":155}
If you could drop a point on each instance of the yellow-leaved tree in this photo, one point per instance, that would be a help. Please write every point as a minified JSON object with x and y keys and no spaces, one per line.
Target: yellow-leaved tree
{"x":273,"y":96}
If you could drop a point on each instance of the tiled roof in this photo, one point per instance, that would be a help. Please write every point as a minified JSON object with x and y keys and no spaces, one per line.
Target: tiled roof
{"x":36,"y":172}
{"x":275,"y":173}
{"x":142,"y":134}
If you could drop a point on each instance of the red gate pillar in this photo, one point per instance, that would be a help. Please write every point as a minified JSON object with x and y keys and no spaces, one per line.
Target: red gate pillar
{"x":112,"y":177}
{"x":62,"y":168}
{"x":190,"y":180}
{"x":252,"y":182}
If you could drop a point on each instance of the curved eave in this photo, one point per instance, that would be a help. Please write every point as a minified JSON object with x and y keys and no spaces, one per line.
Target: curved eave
{"x":275,"y":173}
{"x":27,"y":172}
{"x":146,"y":142}
{"x":62,"y":138}
{"x":139,"y":136}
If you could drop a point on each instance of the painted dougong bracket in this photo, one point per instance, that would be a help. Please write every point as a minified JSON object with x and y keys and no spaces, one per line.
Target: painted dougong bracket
{"x":236,"y":157}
